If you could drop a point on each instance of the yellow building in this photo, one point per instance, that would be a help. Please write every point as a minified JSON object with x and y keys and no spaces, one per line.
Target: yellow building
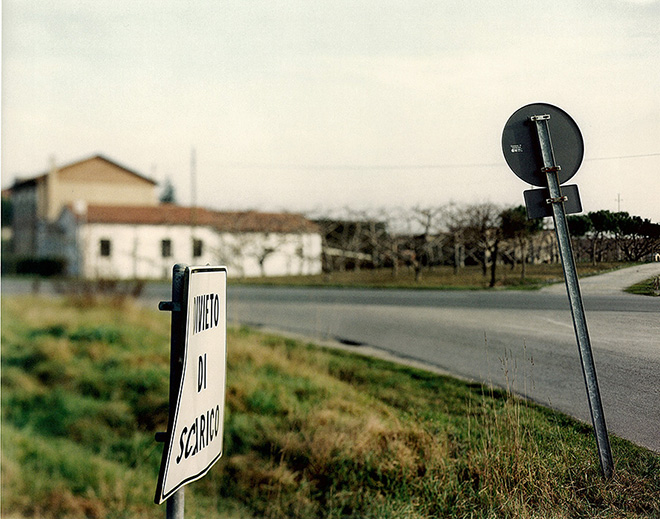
{"x":39,"y":201}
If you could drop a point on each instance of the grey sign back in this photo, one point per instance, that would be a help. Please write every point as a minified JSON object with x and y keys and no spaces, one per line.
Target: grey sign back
{"x":520,"y":144}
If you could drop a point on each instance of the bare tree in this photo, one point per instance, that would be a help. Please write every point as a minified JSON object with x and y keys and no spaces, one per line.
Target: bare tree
{"x":518,"y":228}
{"x":480,"y":225}
{"x":378,"y":238}
{"x":250,"y":238}
{"x":426,"y":237}
{"x":353,"y":240}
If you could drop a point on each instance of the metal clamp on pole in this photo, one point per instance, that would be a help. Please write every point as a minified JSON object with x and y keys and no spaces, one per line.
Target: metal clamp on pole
{"x":557,"y":200}
{"x":552,"y":168}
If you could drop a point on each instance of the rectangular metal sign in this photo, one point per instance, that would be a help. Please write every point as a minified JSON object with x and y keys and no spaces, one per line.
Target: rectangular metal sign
{"x":536,"y":201}
{"x":194,"y":439}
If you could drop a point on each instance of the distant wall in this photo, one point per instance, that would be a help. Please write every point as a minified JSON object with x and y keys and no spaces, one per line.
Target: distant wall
{"x":136,"y":251}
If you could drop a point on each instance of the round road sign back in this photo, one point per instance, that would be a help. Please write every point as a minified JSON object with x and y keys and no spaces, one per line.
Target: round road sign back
{"x":520,"y":143}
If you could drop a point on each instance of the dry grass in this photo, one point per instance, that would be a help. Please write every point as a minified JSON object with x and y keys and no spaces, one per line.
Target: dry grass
{"x":444,"y":277}
{"x":361,"y":437}
{"x":308,"y":432}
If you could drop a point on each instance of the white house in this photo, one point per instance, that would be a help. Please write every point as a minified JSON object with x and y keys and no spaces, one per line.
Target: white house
{"x":105,"y":221}
{"x":143,"y":242}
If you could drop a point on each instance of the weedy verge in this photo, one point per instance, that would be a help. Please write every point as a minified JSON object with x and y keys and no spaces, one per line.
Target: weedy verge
{"x":309,"y":432}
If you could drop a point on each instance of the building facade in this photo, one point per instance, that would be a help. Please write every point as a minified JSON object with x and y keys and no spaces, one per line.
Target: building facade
{"x":39,"y":201}
{"x":105,"y":221}
{"x":138,"y":242}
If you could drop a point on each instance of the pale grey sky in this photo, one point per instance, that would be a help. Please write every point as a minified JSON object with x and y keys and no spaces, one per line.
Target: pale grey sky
{"x":302,"y":105}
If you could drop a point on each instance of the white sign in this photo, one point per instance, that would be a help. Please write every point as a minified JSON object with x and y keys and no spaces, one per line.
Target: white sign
{"x":195,"y":442}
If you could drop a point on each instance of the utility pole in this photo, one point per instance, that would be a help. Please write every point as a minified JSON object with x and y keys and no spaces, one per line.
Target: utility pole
{"x":193,"y":199}
{"x":193,"y":178}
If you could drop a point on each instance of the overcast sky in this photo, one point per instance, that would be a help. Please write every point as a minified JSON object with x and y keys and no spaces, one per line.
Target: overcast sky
{"x":301,"y":106}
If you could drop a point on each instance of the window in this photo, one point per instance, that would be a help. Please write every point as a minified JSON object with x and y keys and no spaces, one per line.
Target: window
{"x":198,"y":247}
{"x":166,"y":248}
{"x":105,"y":247}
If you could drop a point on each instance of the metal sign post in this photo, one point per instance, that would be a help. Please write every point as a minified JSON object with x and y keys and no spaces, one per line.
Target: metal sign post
{"x":530,"y":125}
{"x":550,"y":168}
{"x":193,"y":441}
{"x":174,"y":507}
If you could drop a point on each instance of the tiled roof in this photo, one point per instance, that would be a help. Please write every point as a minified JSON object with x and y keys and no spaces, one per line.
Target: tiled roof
{"x":169,"y":214}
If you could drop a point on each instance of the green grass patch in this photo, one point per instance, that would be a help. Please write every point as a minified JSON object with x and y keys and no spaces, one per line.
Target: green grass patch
{"x":309,"y":432}
{"x":649,"y":287}
{"x":438,"y":278}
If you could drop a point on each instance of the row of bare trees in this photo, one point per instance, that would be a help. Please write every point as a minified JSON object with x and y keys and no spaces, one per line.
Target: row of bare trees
{"x":424,"y":237}
{"x":483,"y":234}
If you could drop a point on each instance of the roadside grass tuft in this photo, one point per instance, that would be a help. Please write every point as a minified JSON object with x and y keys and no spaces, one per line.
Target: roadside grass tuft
{"x":308,"y":432}
{"x":649,"y":287}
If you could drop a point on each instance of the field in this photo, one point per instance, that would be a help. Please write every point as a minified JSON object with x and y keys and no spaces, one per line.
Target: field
{"x":309,"y":432}
{"x":443,"y":277}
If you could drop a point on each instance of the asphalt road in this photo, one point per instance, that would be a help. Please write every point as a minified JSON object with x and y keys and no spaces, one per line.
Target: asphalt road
{"x":523,"y":340}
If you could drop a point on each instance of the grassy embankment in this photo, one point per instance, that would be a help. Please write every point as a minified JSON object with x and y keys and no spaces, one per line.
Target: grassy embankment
{"x":308,"y":432}
{"x":471,"y":277}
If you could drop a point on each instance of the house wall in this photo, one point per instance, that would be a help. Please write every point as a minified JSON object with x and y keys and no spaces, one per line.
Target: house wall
{"x":270,"y":254}
{"x":101,"y":193}
{"x":136,"y":251}
{"x":99,"y":182}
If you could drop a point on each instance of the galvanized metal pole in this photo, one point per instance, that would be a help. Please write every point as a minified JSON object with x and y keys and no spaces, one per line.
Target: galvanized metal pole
{"x":174,"y":508}
{"x":574,"y":296}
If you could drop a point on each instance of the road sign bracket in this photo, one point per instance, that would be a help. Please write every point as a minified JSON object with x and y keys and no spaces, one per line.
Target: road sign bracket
{"x":169,"y":306}
{"x":557,"y":200}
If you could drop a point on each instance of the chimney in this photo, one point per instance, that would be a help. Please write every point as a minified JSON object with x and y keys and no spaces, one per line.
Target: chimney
{"x":52,"y":188}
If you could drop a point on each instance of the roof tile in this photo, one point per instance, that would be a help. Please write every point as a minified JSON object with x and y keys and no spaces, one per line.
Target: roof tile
{"x":169,"y":214}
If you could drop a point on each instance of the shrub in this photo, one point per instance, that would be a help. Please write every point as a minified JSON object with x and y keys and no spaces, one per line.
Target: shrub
{"x":43,"y":267}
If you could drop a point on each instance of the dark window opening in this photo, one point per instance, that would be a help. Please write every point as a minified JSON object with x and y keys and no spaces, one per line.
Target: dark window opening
{"x":166,"y":248}
{"x":198,"y":247}
{"x":105,"y":248}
